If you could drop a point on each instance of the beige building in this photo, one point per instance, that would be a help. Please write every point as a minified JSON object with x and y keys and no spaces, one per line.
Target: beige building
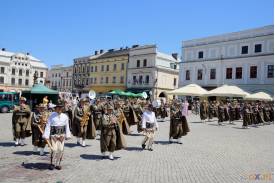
{"x":60,"y":78}
{"x":152,"y":71}
{"x":17,"y":70}
{"x":108,"y":71}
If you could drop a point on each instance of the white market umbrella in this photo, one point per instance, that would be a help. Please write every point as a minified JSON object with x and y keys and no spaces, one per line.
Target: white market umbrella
{"x":189,"y":90}
{"x":227,"y":91}
{"x":259,"y":96}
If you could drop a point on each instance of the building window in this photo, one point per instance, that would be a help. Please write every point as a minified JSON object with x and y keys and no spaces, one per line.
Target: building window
{"x":87,"y":81}
{"x":28,"y":73}
{"x":20,"y":81}
{"x":212,"y":73}
{"x":145,"y":63}
{"x":88,"y":69}
{"x":106,"y":80}
{"x":122,"y":66}
{"x":92,"y":80}
{"x":114,"y":67}
{"x":175,"y":81}
{"x":140,"y":79}
{"x":244,"y":49}
{"x":200,"y":54}
{"x":83,"y":69}
{"x":1,"y":80}
{"x":253,"y":72}
{"x":270,"y":71}
{"x":228,"y":73}
{"x":56,"y":75}
{"x":200,"y":74}
{"x":59,"y":75}
{"x":101,"y":80}
{"x":121,"y":79}
{"x":239,"y":72}
{"x":41,"y":74}
{"x":138,"y":63}
{"x":67,"y":74}
{"x":20,"y":72}
{"x":13,"y":71}
{"x":147,"y":79}
{"x":107,"y":68}
{"x":258,"y":48}
{"x":187,"y":75}
{"x":95,"y":81}
{"x":92,"y":69}
{"x":13,"y":81}
{"x":2,"y":70}
{"x":114,"y":79}
{"x":102,"y":68}
{"x":95,"y":68}
{"x":134,"y":79}
{"x":27,"y":82}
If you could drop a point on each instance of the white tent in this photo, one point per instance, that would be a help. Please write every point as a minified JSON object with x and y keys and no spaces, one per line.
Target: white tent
{"x":259,"y":96}
{"x":189,"y":90}
{"x":227,"y":91}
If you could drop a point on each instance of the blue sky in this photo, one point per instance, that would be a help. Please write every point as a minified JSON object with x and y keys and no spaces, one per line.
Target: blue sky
{"x":56,"y":31}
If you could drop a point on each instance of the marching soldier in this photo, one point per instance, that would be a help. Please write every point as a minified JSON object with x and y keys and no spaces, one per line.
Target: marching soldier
{"x":39,"y":120}
{"x":246,"y":116}
{"x":178,"y":124}
{"x":220,"y":113}
{"x":211,"y":111}
{"x":21,"y":122}
{"x":122,"y":121}
{"x":56,"y":131}
{"x":97,"y":110}
{"x":111,"y":137}
{"x":138,"y":111}
{"x":232,"y":113}
{"x":203,"y":111}
{"x":83,"y":126}
{"x":149,"y":125}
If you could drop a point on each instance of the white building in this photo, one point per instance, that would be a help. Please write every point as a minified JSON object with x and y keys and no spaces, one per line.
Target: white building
{"x":242,"y":58}
{"x":60,"y":78}
{"x":151,"y":71}
{"x":17,"y":70}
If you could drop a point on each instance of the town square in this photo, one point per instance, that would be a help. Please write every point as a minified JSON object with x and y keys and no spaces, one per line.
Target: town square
{"x":137,"y":91}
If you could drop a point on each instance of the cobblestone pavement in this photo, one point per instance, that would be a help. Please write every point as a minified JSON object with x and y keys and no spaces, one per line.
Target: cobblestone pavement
{"x":209,"y":153}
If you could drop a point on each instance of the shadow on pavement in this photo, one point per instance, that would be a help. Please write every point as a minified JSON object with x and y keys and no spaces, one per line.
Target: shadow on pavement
{"x":196,"y":122}
{"x":135,"y":134}
{"x":95,"y":157}
{"x":240,"y":128}
{"x":7,"y":144}
{"x":72,"y":145}
{"x":162,"y":142}
{"x":28,"y":153}
{"x":133,"y":149}
{"x":36,"y":166}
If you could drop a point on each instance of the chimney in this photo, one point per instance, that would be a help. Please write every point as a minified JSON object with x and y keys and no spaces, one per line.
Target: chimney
{"x":28,"y":53}
{"x":101,"y":51}
{"x":96,"y":52}
{"x":3,"y":49}
{"x":134,"y":46}
{"x":175,"y":56}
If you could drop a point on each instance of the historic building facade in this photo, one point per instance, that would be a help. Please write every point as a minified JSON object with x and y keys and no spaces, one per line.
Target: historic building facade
{"x":17,"y":70}
{"x":108,"y":71}
{"x":152,"y":71}
{"x":244,"y":58}
{"x":61,"y":78}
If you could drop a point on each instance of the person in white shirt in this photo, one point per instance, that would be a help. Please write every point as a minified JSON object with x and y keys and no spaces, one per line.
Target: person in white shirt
{"x":56,"y":131}
{"x":149,"y":126}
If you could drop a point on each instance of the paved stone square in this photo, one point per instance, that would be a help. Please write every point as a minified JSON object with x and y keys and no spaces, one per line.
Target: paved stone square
{"x":209,"y":153}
